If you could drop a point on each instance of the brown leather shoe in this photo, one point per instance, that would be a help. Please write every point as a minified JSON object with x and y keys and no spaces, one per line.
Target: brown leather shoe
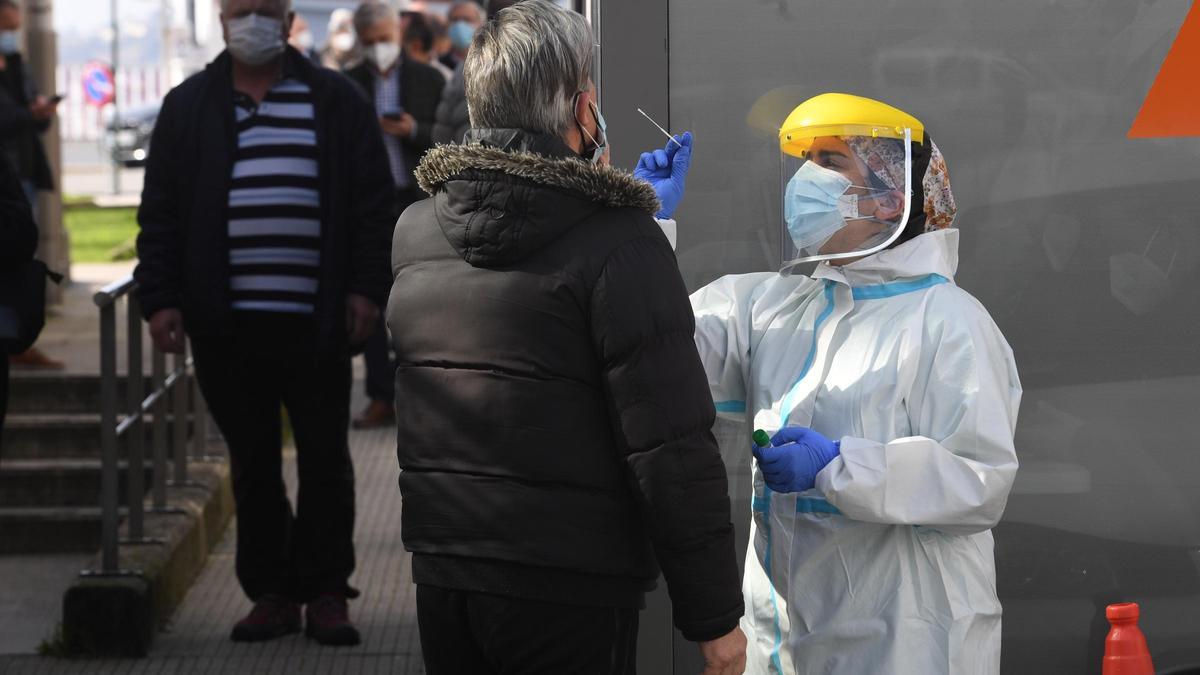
{"x":377,"y":414}
{"x":34,"y":358}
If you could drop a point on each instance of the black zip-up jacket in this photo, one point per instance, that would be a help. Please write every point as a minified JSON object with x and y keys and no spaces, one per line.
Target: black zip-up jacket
{"x":183,"y":247}
{"x":18,"y":232}
{"x":553,"y":417}
{"x":20,"y":133}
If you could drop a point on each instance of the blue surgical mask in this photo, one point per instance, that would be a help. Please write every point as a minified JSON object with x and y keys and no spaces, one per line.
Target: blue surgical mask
{"x":600,"y":145}
{"x":10,"y":42}
{"x":461,"y":34}
{"x":815,"y":205}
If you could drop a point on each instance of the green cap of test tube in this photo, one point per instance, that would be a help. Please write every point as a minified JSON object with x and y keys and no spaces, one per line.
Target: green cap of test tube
{"x":761,"y":439}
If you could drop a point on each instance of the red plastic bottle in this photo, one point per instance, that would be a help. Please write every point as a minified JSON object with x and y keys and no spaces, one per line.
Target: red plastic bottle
{"x":1125,"y":650}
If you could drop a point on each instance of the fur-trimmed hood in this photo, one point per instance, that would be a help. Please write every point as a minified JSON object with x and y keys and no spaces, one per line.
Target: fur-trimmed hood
{"x":601,"y":184}
{"x":501,"y":199}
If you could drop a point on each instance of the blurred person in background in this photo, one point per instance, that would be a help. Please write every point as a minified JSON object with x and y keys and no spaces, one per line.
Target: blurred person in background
{"x":301,"y":39}
{"x":418,"y":44}
{"x":465,"y":17}
{"x":341,"y":50}
{"x":441,"y":36}
{"x":264,"y":221}
{"x":406,"y":17}
{"x":25,"y":115}
{"x":405,"y":96}
{"x":18,"y":239}
{"x":453,"y":120}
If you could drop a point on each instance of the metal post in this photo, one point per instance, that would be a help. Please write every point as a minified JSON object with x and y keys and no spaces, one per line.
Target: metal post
{"x":116,"y":102}
{"x":108,"y":438}
{"x":160,"y":432}
{"x":179,"y":397}
{"x":199,"y":419}
{"x":135,"y":394}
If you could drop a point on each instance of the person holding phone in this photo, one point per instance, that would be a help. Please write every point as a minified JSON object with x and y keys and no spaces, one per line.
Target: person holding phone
{"x":25,"y":115}
{"x":405,"y":94}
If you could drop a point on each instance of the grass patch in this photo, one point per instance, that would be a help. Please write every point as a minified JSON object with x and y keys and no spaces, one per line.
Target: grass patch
{"x":54,"y":644}
{"x":101,"y":235}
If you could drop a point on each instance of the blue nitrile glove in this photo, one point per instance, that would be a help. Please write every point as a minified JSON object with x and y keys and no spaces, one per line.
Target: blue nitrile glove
{"x":796,"y":457}
{"x":667,"y":171}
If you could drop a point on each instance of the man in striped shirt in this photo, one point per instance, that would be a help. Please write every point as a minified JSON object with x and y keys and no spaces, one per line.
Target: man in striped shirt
{"x":265,"y":224}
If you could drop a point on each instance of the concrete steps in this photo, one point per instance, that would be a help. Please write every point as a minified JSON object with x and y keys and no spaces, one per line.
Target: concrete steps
{"x":49,"y":529}
{"x":57,"y":482}
{"x":60,"y":436}
{"x":50,"y":463}
{"x":38,"y":393}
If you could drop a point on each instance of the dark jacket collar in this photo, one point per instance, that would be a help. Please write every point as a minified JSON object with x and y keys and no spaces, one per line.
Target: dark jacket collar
{"x":538,"y":158}
{"x":518,"y":140}
{"x":509,"y":193}
{"x":295,"y":65}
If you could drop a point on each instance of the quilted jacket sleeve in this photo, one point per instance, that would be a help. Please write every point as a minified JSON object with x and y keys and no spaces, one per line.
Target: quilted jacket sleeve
{"x":662,"y":415}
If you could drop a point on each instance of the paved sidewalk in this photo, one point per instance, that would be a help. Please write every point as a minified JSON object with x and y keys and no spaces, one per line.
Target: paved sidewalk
{"x":197,"y":639}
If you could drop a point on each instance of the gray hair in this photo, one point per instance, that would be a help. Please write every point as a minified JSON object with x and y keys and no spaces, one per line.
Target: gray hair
{"x":285,"y":5}
{"x":368,"y":13}
{"x":525,"y":67}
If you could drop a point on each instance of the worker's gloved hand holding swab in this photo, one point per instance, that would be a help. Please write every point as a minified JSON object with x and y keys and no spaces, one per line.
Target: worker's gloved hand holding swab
{"x":794,"y":459}
{"x":667,"y":170}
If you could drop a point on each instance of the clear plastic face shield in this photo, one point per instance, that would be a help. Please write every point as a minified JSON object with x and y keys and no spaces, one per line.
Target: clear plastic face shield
{"x":844,"y":196}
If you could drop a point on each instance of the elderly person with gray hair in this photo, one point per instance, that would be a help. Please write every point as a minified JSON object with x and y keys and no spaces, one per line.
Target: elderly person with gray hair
{"x":554,"y":430}
{"x":265,"y":217}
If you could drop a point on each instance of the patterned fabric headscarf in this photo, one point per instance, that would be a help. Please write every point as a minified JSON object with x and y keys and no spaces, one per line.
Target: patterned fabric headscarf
{"x":885,"y":158}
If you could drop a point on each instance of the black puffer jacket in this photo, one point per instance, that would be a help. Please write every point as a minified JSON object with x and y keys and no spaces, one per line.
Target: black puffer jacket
{"x":553,"y":416}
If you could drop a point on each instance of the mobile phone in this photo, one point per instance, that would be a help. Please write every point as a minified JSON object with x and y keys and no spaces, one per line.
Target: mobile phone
{"x":56,"y":99}
{"x":394,"y":116}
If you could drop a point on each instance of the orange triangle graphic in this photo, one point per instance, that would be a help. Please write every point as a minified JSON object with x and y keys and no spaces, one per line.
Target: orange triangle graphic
{"x":1172,"y":108}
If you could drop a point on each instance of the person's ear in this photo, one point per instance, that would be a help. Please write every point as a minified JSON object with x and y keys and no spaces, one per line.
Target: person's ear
{"x":582,"y":108}
{"x":890,"y":206}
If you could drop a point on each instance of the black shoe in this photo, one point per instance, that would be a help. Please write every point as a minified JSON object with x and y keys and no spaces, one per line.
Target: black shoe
{"x":327,"y":620}
{"x":272,"y":617}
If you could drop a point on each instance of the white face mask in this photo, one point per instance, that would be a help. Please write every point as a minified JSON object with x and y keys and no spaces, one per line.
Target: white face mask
{"x":342,"y":42}
{"x":303,"y":41}
{"x":383,"y":55}
{"x":255,"y":39}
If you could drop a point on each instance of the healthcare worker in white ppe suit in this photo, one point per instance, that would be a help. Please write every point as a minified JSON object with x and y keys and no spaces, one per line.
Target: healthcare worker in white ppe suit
{"x":891,"y":398}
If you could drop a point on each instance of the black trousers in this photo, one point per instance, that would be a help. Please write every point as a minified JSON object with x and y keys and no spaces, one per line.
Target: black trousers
{"x":246,"y":379}
{"x":481,"y":634}
{"x":377,"y":352}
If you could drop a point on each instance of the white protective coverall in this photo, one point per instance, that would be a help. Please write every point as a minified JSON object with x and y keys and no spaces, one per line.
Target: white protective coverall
{"x":887,"y":565}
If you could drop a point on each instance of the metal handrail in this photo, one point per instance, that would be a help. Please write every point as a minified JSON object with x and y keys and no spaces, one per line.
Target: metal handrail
{"x":132,"y":425}
{"x":112,"y":292}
